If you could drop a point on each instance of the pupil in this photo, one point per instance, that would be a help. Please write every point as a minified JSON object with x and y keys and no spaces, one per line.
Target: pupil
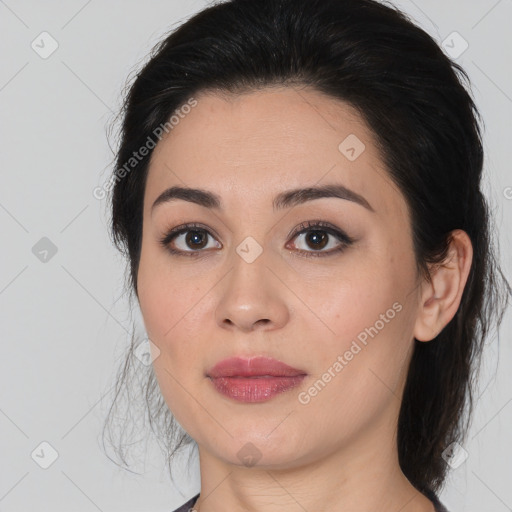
{"x":316,"y":237}
{"x":194,"y":236}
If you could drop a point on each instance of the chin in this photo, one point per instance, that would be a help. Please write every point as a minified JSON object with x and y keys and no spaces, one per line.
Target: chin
{"x":263,"y":451}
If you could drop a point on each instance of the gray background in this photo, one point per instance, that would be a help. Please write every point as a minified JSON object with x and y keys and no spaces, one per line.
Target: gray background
{"x":64,"y":321}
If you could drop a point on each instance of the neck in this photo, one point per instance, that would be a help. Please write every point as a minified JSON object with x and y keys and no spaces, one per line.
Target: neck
{"x":362,"y":475}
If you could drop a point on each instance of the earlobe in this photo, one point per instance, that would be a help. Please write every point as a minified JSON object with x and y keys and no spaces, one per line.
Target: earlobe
{"x":428,"y":316}
{"x":441,"y":297}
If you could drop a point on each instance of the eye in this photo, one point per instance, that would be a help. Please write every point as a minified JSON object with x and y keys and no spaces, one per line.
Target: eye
{"x":318,"y":235}
{"x":191,"y":239}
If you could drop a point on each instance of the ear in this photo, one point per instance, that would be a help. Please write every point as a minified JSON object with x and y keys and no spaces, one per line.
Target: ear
{"x":441,"y":298}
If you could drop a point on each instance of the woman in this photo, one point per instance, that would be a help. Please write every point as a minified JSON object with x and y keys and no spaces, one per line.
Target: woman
{"x":298,"y":195}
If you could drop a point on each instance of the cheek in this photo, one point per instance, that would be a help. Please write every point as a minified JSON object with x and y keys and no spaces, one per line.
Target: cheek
{"x":175,"y":304}
{"x":359,"y":371}
{"x":167,"y":305}
{"x":367,"y":318}
{"x":368,"y":329}
{"x":162,"y":300}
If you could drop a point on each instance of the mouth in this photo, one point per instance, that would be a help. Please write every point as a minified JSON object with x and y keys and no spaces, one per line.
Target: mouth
{"x":254,"y":380}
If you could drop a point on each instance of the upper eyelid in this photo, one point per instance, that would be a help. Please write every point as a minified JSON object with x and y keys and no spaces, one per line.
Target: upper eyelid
{"x":303,"y":227}
{"x":183,"y":228}
{"x":299,"y":229}
{"x":320,"y":225}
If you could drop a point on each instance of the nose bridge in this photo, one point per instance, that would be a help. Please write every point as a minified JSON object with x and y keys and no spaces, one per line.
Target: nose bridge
{"x":251,"y":252}
{"x":251,"y":293}
{"x":250,"y":274}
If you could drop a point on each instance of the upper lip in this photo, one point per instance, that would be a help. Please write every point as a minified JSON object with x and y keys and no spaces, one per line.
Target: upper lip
{"x":254,"y":366}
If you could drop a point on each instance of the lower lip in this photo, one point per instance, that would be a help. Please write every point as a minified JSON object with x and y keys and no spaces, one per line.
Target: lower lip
{"x":255,"y":389}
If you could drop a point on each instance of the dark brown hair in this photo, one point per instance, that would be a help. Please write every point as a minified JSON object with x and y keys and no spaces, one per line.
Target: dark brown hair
{"x":426,"y":124}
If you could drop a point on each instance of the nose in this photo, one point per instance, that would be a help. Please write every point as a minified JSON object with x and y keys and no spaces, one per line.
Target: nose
{"x":253,"y":297}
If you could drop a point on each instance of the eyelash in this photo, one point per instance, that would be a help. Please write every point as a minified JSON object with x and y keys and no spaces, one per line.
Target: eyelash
{"x":304,"y":227}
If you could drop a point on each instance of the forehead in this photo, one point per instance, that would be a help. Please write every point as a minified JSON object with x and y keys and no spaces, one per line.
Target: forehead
{"x":248,"y":147}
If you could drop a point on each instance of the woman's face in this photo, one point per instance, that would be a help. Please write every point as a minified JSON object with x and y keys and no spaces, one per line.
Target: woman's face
{"x":337,"y":302}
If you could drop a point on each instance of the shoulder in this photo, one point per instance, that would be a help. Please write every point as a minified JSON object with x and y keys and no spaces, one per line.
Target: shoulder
{"x":188,"y":505}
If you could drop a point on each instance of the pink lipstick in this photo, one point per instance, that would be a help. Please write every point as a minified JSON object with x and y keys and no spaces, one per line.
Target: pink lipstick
{"x":254,"y":380}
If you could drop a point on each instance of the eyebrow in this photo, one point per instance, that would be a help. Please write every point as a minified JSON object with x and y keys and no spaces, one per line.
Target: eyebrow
{"x":283,"y":200}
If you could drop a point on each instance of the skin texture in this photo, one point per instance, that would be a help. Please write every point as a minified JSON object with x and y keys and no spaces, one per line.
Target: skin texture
{"x":338,"y":451}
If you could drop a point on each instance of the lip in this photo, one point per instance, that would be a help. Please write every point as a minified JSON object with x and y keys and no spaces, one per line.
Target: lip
{"x":256,"y":379}
{"x":258,"y":366}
